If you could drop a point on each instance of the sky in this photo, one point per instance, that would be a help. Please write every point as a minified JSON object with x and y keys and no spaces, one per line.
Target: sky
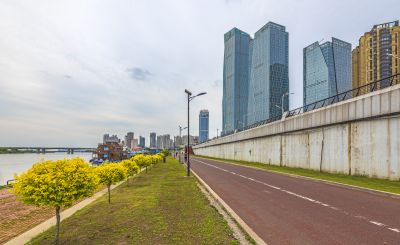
{"x":72,"y":70}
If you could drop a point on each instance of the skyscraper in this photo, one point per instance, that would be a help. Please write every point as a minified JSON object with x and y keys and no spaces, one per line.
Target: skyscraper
{"x":326,"y":70}
{"x":235,"y":79}
{"x":269,"y":78}
{"x":142,"y":141}
{"x":377,"y":55}
{"x":129,"y":140}
{"x":153,"y":141}
{"x":203,"y":125}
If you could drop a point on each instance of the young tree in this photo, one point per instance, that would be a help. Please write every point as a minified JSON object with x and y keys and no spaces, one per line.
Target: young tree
{"x":164,"y":154}
{"x":109,"y":174}
{"x":56,"y":184}
{"x":131,"y":167}
{"x":149,"y":161}
{"x":140,"y":160}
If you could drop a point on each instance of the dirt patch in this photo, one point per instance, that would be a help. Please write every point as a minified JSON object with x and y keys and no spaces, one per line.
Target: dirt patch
{"x":16,"y":217}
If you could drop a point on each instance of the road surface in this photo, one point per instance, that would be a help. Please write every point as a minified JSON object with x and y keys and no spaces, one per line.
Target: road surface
{"x":292,"y":210}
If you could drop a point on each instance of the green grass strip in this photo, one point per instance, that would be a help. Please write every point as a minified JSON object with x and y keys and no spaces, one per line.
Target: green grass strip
{"x":159,"y":207}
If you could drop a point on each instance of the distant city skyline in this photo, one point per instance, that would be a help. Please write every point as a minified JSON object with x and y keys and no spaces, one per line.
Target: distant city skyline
{"x":72,"y":71}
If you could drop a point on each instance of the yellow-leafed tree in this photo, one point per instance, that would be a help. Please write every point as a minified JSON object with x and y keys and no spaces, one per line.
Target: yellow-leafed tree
{"x":140,"y":160}
{"x":111,"y":173}
{"x":57,"y":184}
{"x":131,"y":167}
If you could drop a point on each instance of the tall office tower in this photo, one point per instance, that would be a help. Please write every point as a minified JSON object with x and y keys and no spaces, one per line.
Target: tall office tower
{"x":153,"y":141}
{"x":235,"y":79}
{"x":377,"y":55}
{"x":129,"y":139}
{"x":203,"y":125}
{"x":159,"y":141}
{"x":269,"y":78}
{"x":165,"y":141}
{"x":326,"y":70}
{"x":142,"y":141}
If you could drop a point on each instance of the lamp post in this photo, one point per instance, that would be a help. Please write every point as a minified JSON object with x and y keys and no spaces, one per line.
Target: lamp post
{"x":282,"y":101}
{"x":217,"y":133}
{"x":180,"y":137}
{"x":189,"y":98}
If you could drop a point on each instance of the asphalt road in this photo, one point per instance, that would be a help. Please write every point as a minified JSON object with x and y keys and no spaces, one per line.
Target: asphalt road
{"x":292,"y":210}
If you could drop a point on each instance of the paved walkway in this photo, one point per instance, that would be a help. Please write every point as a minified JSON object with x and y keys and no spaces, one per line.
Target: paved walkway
{"x":288,"y":210}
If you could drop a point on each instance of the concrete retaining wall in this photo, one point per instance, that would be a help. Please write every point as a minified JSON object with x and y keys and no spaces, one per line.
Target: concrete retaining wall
{"x":360,"y":136}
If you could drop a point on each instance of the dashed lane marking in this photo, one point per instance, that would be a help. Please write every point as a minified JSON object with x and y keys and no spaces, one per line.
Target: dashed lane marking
{"x":302,"y":197}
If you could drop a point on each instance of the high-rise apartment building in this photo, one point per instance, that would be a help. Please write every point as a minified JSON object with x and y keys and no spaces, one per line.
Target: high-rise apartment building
{"x":153,"y":140}
{"x":377,"y":55}
{"x":164,"y":141}
{"x":235,"y":79}
{"x":142,"y":141}
{"x":178,"y":141}
{"x":203,"y":125}
{"x":129,"y":140}
{"x":269,"y":78}
{"x":326,"y":70}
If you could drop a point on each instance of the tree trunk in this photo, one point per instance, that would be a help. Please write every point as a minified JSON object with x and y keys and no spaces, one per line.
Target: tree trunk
{"x":109,"y":194}
{"x":146,"y":169}
{"x":163,"y":159}
{"x":57,"y":225}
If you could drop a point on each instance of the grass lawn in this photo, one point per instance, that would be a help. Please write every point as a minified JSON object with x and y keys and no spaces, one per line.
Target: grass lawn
{"x":361,"y":181}
{"x":158,"y":207}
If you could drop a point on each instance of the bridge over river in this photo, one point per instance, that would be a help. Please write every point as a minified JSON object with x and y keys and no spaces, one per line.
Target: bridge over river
{"x":43,"y":150}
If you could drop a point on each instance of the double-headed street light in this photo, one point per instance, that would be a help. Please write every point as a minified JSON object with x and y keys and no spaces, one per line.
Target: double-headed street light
{"x":189,"y":98}
{"x":180,"y":138}
{"x":282,"y":101}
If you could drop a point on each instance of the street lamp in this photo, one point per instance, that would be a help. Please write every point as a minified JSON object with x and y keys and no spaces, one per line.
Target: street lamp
{"x":282,"y":100}
{"x":189,"y":98}
{"x":180,"y":137}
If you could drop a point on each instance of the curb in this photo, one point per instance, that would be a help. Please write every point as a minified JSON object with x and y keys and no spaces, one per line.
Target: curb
{"x":232,"y":213}
{"x":308,"y":178}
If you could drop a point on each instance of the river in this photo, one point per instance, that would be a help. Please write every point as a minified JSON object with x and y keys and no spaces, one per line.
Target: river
{"x":18,"y":163}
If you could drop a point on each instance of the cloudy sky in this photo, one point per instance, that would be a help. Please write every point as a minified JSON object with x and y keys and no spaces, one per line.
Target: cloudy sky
{"x":73,"y":70}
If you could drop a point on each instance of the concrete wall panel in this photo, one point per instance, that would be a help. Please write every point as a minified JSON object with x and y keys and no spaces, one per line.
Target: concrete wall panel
{"x":350,"y":141}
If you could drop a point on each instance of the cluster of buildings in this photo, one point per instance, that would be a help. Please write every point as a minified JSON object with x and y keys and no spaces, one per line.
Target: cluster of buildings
{"x":256,"y":70}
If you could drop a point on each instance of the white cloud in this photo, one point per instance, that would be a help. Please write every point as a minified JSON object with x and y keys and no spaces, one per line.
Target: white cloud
{"x":66,"y":67}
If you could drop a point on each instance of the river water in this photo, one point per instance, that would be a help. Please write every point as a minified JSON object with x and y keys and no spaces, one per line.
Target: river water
{"x":18,"y":163}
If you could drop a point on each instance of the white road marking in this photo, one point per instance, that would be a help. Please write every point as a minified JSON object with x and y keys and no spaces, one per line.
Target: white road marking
{"x":376,"y":223}
{"x":299,"y":196}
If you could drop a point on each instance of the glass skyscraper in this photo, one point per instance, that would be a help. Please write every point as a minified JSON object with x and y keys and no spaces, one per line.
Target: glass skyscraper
{"x":326,"y":70}
{"x":203,"y":125}
{"x":269,"y":78}
{"x":235,"y":79}
{"x":153,"y":140}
